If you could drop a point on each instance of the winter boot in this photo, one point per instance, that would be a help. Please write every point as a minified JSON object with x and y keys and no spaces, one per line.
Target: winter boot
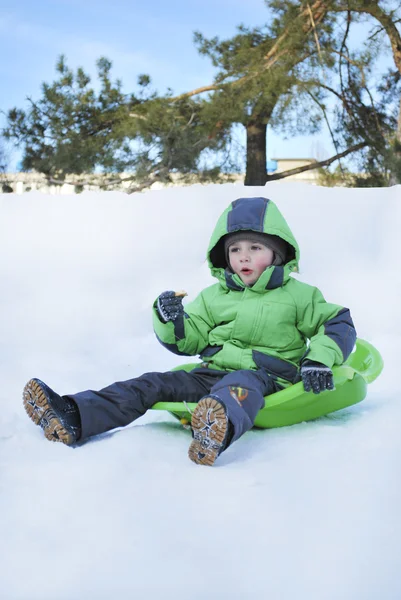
{"x":58,"y":417}
{"x":210,"y":430}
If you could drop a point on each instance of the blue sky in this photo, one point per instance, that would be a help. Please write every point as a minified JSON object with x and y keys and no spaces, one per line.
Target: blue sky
{"x":138,"y":37}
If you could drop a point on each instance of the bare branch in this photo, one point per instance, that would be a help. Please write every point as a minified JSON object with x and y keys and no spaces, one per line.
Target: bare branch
{"x":344,"y":46}
{"x":136,"y":116}
{"x":323,"y":109}
{"x":190,"y":120}
{"x":349,"y":60}
{"x":316,"y":165}
{"x":315,"y":32}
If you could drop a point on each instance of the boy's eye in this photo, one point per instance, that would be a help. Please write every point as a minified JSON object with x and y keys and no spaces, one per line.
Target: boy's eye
{"x":233,"y":249}
{"x":256,"y":247}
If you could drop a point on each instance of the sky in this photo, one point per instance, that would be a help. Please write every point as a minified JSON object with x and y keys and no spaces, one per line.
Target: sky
{"x":307,"y":512}
{"x":138,"y":37}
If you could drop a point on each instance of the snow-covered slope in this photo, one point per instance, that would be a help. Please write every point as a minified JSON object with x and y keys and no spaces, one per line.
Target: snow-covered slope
{"x":309,"y":512}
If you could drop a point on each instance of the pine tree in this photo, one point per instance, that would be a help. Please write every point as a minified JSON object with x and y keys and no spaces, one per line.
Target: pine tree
{"x":287,"y":73}
{"x":75,"y":130}
{"x":263,"y":76}
{"x":281,"y":74}
{"x":380,"y":121}
{"x":71,"y":129}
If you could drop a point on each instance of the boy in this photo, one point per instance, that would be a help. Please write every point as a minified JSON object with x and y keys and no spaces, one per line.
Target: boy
{"x":258,"y":330}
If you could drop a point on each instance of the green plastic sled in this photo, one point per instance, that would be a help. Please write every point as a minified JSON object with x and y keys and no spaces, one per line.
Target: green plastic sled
{"x":294,"y":405}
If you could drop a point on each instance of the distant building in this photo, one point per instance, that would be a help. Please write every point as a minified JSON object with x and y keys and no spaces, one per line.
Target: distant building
{"x":286,"y":164}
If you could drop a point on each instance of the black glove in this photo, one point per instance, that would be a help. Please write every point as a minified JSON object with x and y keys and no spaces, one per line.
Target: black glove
{"x":169,"y":306}
{"x":316,"y":377}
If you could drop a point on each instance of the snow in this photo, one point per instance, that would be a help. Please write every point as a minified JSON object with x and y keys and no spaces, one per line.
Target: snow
{"x":304,"y":512}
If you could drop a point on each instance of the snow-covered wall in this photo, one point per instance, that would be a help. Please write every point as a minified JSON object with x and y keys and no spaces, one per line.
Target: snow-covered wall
{"x":306,"y":512}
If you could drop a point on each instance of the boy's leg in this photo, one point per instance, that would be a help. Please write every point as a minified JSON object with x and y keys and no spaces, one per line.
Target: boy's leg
{"x":114,"y":406}
{"x":242,"y":393}
{"x":228,"y":412}
{"x":122,"y":402}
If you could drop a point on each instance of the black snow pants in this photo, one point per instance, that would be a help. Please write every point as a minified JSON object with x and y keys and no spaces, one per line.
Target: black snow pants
{"x":241,"y":392}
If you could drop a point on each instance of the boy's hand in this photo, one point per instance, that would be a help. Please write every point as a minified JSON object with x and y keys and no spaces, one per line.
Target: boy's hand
{"x":316,"y":377}
{"x":169,"y":305}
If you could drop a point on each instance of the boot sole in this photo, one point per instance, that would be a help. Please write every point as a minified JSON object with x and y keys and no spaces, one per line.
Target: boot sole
{"x":209,"y":426}
{"x":40,"y":411}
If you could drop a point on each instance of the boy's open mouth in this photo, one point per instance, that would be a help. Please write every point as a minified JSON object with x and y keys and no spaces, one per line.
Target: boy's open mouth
{"x":246,"y":271}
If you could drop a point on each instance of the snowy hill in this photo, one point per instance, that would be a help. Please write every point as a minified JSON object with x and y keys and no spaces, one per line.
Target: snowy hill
{"x":309,"y":512}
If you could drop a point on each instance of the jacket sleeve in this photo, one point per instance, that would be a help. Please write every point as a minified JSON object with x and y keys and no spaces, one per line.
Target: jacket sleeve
{"x":189,"y":334}
{"x":329,"y":328}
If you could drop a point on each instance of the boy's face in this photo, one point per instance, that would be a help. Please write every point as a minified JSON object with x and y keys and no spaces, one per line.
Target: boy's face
{"x":249,"y":260}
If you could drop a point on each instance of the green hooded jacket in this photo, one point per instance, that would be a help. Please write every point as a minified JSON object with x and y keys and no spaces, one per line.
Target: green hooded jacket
{"x":273,"y":324}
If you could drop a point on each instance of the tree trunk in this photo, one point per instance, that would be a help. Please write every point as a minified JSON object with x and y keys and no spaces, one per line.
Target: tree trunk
{"x":256,"y":173}
{"x":394,"y":176}
{"x":398,"y":134}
